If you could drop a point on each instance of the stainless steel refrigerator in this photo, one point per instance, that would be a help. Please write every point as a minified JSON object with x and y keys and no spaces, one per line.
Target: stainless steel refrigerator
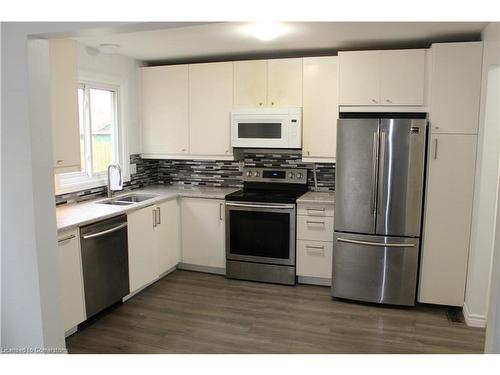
{"x":378,"y":208}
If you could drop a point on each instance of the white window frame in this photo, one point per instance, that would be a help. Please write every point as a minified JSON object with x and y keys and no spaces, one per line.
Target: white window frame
{"x":76,"y":181}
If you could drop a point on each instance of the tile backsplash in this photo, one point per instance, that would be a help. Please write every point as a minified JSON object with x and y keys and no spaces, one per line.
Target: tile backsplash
{"x":212,"y":173}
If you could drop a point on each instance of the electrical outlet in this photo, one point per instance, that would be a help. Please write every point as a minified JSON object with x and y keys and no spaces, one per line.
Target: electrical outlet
{"x":133,"y":168}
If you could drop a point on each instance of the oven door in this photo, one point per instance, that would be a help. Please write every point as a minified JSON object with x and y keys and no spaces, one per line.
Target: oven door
{"x":258,"y":232}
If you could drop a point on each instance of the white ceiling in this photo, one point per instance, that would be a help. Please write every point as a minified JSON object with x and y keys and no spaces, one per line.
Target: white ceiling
{"x":211,"y":41}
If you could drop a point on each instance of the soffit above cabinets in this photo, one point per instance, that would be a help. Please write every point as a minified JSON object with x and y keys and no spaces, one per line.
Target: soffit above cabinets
{"x":161,"y":43}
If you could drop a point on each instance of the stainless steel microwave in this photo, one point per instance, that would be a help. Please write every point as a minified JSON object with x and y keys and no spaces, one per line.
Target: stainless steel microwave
{"x":267,"y":128}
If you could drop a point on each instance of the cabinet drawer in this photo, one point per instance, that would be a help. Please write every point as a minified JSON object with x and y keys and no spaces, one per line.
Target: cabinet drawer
{"x":314,"y":259}
{"x":314,"y":209}
{"x":315,"y":228}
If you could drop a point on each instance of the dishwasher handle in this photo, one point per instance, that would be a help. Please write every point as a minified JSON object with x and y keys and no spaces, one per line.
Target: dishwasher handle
{"x":104,"y":232}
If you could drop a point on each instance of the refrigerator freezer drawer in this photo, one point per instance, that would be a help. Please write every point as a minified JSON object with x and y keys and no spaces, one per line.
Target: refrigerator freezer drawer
{"x":375,"y":268}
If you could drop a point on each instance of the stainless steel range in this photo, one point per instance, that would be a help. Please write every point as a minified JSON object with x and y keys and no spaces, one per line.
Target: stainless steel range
{"x":261,"y":225}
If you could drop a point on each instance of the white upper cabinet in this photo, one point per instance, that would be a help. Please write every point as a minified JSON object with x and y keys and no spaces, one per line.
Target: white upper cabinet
{"x":455,"y":87}
{"x":284,"y":83}
{"x":268,"y":83}
{"x":402,"y":77}
{"x":165,"y":109}
{"x":382,"y":78}
{"x":63,"y":82}
{"x":359,"y":82}
{"x":250,"y":83}
{"x":320,"y":109}
{"x":210,"y":104}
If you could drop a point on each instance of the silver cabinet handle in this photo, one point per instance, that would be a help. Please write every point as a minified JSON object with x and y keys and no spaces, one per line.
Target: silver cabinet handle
{"x":435,"y":148}
{"x":220,"y":211}
{"x":388,"y":100}
{"x":67,"y":238}
{"x":315,"y":222}
{"x":374,"y":172}
{"x":379,"y":244}
{"x":104,"y":232}
{"x":159,"y":214}
{"x":315,"y":247}
{"x":154,"y":218}
{"x":374,"y":101}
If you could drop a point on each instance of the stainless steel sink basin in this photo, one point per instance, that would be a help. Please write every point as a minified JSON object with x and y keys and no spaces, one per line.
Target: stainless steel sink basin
{"x":126,"y":200}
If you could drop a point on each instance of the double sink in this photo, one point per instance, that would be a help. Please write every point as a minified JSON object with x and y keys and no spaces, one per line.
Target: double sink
{"x":128,"y":199}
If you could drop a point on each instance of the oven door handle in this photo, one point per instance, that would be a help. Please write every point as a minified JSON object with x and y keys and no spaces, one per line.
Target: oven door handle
{"x":280,"y":206}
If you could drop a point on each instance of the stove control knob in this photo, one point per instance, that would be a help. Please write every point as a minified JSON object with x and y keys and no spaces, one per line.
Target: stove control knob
{"x":249,"y":174}
{"x":299,"y":175}
{"x":256,"y":174}
{"x":291,"y":175}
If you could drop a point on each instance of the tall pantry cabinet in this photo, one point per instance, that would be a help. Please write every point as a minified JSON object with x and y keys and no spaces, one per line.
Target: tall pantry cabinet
{"x":454,"y":111}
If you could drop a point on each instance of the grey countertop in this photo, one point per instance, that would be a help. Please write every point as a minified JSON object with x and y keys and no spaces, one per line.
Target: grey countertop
{"x":320,"y":197}
{"x":73,"y":215}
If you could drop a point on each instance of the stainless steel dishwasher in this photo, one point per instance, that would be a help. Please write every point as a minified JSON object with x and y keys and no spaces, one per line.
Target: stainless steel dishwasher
{"x":105,"y":263}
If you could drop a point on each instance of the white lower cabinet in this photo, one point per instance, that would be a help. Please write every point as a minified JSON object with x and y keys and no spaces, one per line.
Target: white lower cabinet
{"x":153,"y":242}
{"x":314,"y":258}
{"x":447,"y":219}
{"x":203,"y":232}
{"x":167,"y":236}
{"x":142,"y":254}
{"x":314,"y":243}
{"x":71,"y":278}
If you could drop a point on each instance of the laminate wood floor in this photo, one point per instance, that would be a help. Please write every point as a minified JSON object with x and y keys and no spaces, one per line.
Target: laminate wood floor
{"x":190,"y":312}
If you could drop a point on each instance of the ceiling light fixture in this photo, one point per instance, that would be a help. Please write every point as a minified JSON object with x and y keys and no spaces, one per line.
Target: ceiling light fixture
{"x":109,"y":48}
{"x":266,"y":30}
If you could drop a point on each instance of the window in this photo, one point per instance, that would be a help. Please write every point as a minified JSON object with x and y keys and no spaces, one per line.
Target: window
{"x":99,"y":137}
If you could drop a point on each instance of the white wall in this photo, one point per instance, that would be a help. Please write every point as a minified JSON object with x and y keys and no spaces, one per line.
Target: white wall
{"x":31,"y":318}
{"x":486,"y":186}
{"x":122,"y":69}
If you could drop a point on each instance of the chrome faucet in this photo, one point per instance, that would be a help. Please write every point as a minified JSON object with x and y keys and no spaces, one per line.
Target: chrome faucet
{"x":117,"y":166}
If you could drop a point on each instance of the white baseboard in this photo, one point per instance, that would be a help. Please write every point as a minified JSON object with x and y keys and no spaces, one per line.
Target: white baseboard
{"x":314,"y":281}
{"x":473,"y":320}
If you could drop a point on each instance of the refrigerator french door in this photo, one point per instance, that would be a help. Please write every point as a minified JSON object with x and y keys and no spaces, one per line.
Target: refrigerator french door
{"x":378,"y":208}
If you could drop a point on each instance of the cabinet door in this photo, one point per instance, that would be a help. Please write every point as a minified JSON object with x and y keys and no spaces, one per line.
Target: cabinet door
{"x":320,"y":108}
{"x":142,"y":255}
{"x":455,"y":87}
{"x":402,"y":77}
{"x":314,"y":259}
{"x":210,"y":104}
{"x":284,"y":83}
{"x":70,"y":267}
{"x":165,"y":109}
{"x":359,"y":78}
{"x":447,"y":219}
{"x":63,"y":81}
{"x":202,"y":226}
{"x":250,"y":83}
{"x":167,"y":235}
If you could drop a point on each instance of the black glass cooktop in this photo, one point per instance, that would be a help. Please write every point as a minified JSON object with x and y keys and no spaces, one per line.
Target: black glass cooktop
{"x":265,"y":196}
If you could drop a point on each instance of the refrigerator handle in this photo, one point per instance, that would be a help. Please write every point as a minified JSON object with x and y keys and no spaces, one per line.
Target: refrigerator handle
{"x":374,"y":173}
{"x":381,"y":171}
{"x":379,"y":244}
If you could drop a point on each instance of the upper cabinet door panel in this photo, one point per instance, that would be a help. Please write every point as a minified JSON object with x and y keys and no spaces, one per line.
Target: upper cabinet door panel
{"x":165,"y":110}
{"x":456,"y":87}
{"x":402,"y":77}
{"x":284,"y":83}
{"x":359,"y":78}
{"x":320,"y":108}
{"x":250,"y":83}
{"x":210,"y":104}
{"x":63,"y":79}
